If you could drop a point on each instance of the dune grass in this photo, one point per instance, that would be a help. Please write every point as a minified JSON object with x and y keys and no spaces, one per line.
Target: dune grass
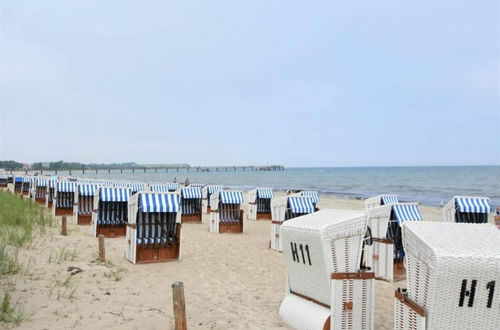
{"x":20,"y":221}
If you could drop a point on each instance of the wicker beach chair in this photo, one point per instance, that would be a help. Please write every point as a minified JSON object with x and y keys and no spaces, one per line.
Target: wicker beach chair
{"x":64,"y":198}
{"x":207,"y":192}
{"x":467,"y":209}
{"x":110,"y":212}
{"x":452,"y":271}
{"x":325,"y":287}
{"x":84,"y":203}
{"x":381,"y":200}
{"x":284,"y":209}
{"x":259,"y":204}
{"x":191,"y":204}
{"x":226,"y":215}
{"x":153,"y":227}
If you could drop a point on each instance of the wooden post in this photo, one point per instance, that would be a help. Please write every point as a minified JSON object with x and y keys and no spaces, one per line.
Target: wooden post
{"x":179,"y":306}
{"x":64,"y":227}
{"x":102,"y":251}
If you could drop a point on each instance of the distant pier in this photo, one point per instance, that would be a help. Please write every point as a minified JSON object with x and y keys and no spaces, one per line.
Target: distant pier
{"x":164,"y":169}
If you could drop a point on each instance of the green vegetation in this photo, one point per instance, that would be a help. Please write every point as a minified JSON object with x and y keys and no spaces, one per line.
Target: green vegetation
{"x":11,"y":165}
{"x":20,"y":221}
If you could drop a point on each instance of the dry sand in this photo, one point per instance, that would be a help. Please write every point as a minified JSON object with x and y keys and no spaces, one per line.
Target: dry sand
{"x":232,"y":281}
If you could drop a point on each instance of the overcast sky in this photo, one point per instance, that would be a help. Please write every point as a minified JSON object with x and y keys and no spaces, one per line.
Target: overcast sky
{"x":299,"y":83}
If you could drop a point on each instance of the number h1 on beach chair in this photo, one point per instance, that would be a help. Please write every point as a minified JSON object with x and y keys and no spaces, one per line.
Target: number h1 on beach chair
{"x":64,"y":198}
{"x":153,"y":228}
{"x":453,"y":273}
{"x":110,"y":213}
{"x":325,"y":287}
{"x":259,"y":204}
{"x":84,"y":203}
{"x":284,"y":209}
{"x":207,"y":192}
{"x":226,"y":215}
{"x":191,"y":204}
{"x":467,"y":209}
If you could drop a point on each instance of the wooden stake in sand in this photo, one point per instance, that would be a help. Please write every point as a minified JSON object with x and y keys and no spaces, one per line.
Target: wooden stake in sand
{"x":102,"y":251}
{"x":64,"y":226}
{"x":179,"y":306}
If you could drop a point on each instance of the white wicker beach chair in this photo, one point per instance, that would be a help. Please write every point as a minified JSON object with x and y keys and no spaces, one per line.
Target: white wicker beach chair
{"x":452,"y":271}
{"x":379,"y":256}
{"x":153,"y":227}
{"x":207,"y":192}
{"x":381,"y":200}
{"x":325,"y":288}
{"x":259,"y":204}
{"x":226,"y":215}
{"x":467,"y":209}
{"x":286,"y":208}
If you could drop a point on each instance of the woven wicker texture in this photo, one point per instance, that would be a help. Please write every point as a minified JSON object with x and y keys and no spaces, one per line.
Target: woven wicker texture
{"x":319,"y":244}
{"x":452,"y":271}
{"x":361,"y":294}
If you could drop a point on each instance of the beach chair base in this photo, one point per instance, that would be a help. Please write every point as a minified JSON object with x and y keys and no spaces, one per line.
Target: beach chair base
{"x":111,"y":231}
{"x":196,"y":218}
{"x":231,"y":227}
{"x":26,"y":193}
{"x":84,"y":219}
{"x":152,"y":253}
{"x":407,"y":314}
{"x":264,"y":216}
{"x":41,"y":201}
{"x":49,"y":205}
{"x":64,"y":211}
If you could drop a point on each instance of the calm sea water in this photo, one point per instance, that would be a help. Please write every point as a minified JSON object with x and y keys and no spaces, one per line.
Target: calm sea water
{"x":428,"y":185}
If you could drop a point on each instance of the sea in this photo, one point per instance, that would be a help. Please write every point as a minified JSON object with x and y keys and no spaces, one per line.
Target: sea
{"x":430,"y":185}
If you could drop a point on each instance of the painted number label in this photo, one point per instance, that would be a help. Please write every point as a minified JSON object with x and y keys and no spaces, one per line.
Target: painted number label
{"x":468,"y":293}
{"x":300,"y":253}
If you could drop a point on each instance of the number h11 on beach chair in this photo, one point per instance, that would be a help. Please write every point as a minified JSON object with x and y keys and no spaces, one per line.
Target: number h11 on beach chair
{"x":191,"y":204}
{"x":325,"y":287}
{"x":453,"y":273}
{"x":207,"y":192}
{"x":226,"y":215}
{"x":153,"y":228}
{"x":110,"y":213}
{"x":259,"y":204}
{"x":467,"y":209}
{"x":64,"y":198}
{"x":284,"y":209}
{"x":84,"y":203}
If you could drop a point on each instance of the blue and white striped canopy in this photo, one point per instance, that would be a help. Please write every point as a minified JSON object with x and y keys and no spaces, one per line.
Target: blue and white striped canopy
{"x":213,"y":189}
{"x":473,"y":205}
{"x":404,"y":212}
{"x":164,"y":187}
{"x":111,"y":194}
{"x":135,"y":187}
{"x":191,"y":193}
{"x":196,"y":185}
{"x":389,"y":199}
{"x":231,"y":197}
{"x":18,"y":179}
{"x":87,"y":189}
{"x":64,"y":186}
{"x":4,"y":176}
{"x":302,"y":205}
{"x":150,"y":202}
{"x":52,"y":183}
{"x":26,"y":179}
{"x":42,"y":182}
{"x":121,"y":184}
{"x":311,"y":194}
{"x":265,"y":193}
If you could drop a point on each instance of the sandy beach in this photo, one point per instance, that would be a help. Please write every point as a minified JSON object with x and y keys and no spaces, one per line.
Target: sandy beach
{"x":232,"y":281}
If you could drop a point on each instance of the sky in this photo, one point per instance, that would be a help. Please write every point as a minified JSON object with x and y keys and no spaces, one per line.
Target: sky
{"x":297,"y":83}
